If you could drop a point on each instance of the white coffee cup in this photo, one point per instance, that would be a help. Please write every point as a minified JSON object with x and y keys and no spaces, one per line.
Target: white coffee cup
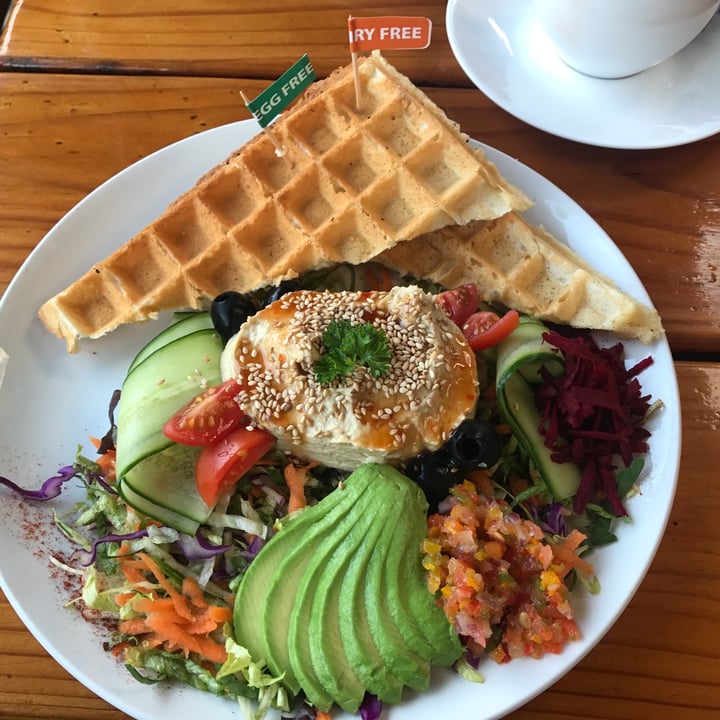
{"x":617,"y":38}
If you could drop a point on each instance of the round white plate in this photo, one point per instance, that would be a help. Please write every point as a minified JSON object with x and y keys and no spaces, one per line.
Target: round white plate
{"x":504,"y":51}
{"x":50,"y":401}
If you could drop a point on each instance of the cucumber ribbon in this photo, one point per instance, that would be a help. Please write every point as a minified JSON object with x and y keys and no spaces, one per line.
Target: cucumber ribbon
{"x":519,"y":358}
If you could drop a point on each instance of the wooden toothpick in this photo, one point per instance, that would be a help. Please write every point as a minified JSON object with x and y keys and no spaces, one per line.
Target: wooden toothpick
{"x":279,"y":148}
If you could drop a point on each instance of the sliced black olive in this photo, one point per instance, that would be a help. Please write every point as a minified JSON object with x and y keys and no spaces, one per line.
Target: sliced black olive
{"x":435,"y":473}
{"x":475,"y":443}
{"x":229,"y":311}
{"x":283,"y":288}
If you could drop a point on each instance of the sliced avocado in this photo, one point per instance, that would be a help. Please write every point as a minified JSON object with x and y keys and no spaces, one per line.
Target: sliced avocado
{"x":325,"y":674}
{"x":410,"y":667}
{"x":421,"y":621}
{"x":299,"y":531}
{"x":360,"y":648}
{"x":325,"y":602}
{"x":329,"y":659}
{"x":287,"y":578}
{"x":396,"y":567}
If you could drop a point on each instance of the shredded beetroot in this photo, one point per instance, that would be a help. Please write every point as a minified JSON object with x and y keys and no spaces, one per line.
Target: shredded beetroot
{"x":592,"y":415}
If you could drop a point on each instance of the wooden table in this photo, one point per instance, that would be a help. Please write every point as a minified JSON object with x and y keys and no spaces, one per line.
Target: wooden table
{"x":89,"y":87}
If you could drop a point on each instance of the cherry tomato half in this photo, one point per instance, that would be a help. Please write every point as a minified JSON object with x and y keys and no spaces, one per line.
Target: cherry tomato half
{"x":223,"y":463}
{"x":460,"y":303}
{"x":485,"y":329}
{"x":207,"y":417}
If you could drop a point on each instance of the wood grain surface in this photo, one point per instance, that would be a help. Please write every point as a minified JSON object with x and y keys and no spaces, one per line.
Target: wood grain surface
{"x":228,"y":38}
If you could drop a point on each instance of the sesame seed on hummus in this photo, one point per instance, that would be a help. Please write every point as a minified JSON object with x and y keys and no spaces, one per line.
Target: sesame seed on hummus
{"x":430,"y":385}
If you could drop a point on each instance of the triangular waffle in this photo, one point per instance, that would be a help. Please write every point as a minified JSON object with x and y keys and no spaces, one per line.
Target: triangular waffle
{"x":525,"y":268}
{"x":351,"y":184}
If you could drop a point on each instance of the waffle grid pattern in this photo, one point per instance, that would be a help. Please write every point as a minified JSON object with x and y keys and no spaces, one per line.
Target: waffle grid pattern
{"x":523,"y":267}
{"x":350,"y":184}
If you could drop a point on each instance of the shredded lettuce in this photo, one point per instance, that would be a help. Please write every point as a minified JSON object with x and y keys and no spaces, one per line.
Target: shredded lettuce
{"x":97,"y":593}
{"x":239,"y":663}
{"x":154,"y":666}
{"x":468,"y":672}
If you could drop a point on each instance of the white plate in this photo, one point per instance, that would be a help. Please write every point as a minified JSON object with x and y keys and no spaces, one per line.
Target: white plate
{"x":503,"y":50}
{"x":50,"y":401}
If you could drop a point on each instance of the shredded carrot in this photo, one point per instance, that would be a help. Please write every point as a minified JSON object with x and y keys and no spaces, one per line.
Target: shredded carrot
{"x":132,"y":571}
{"x":194,"y":593}
{"x":295,"y":478}
{"x":565,"y":551}
{"x":219,"y":613}
{"x":122,"y":599}
{"x":319,"y":715}
{"x":151,"y":604}
{"x":133,"y":626}
{"x":181,"y":606}
{"x":106,"y":461}
{"x":120,"y":648}
{"x":179,"y":621}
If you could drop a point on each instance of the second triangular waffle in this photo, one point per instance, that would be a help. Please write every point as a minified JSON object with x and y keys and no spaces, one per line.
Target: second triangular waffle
{"x":526,"y":268}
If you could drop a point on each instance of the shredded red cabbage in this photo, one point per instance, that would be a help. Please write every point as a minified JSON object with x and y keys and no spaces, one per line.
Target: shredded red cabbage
{"x":256,"y":544}
{"x":592,"y":415}
{"x":87,"y":558}
{"x":196,"y":547}
{"x":91,"y":476}
{"x":371,"y":707}
{"x":551,"y":518}
{"x":50,"y":489}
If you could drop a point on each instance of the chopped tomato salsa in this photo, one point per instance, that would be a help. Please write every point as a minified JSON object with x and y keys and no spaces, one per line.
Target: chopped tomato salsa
{"x":498,"y":579}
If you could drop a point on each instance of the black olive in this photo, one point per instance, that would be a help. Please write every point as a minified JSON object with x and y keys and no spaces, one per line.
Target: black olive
{"x":475,"y":443}
{"x":434,"y":473}
{"x":229,"y":311}
{"x":283,"y":288}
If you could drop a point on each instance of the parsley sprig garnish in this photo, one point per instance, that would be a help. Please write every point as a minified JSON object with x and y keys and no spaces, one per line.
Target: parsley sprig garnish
{"x":348,"y":346}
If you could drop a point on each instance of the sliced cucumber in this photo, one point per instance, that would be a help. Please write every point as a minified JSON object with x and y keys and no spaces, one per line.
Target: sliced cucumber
{"x":158,"y":387}
{"x":520,"y":356}
{"x":185,"y":325}
{"x":524,"y":351}
{"x":153,"y":471}
{"x":163,"y":487}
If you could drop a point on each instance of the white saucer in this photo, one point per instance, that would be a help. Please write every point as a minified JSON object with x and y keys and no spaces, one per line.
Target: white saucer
{"x":506,"y":54}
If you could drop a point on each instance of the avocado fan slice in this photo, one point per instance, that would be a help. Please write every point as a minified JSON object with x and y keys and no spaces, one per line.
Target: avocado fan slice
{"x":355,"y":634}
{"x":253,"y":590}
{"x":411,"y":668}
{"x":300,"y":549}
{"x":321,"y":664}
{"x":337,"y":600}
{"x":421,"y":621}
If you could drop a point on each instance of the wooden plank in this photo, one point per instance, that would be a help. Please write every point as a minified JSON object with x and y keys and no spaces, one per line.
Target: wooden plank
{"x":218,"y":38}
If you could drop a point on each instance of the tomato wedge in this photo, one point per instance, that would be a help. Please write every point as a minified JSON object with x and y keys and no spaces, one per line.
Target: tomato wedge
{"x":207,"y":417}
{"x":459,"y":303}
{"x":223,"y":463}
{"x":485,"y":329}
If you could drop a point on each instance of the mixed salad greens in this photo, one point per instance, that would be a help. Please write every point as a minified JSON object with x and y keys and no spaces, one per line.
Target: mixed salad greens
{"x":517,"y":500}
